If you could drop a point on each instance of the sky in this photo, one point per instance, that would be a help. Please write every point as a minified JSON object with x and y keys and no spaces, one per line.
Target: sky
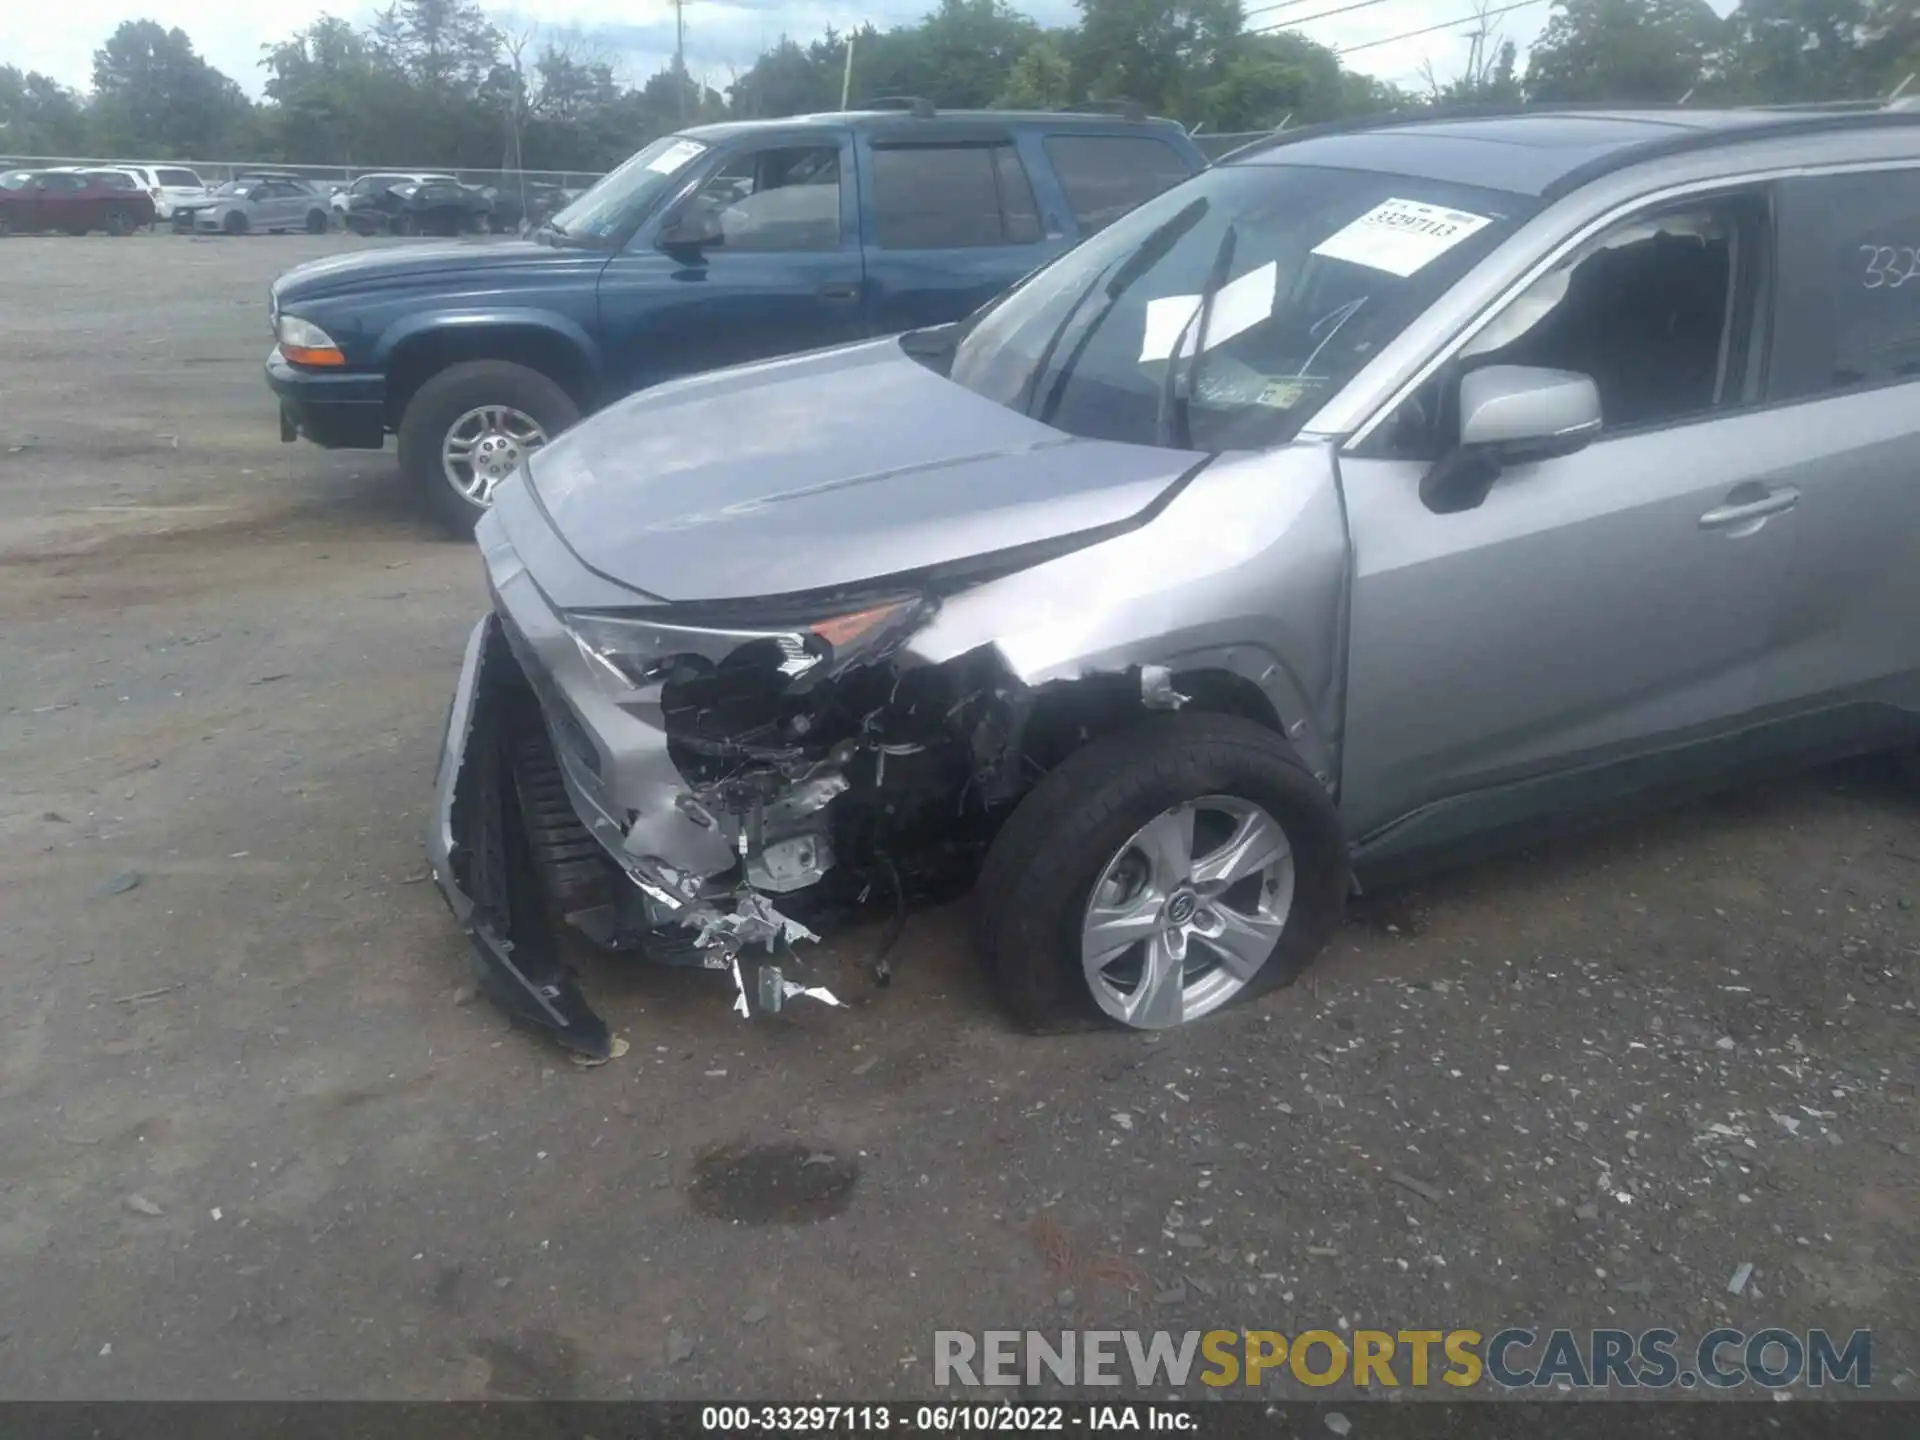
{"x":637,"y":35}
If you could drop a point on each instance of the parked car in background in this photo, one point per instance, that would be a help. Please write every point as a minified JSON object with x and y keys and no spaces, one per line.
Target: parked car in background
{"x":167,"y":185}
{"x":363,"y":185}
{"x":518,"y":208}
{"x":257,"y":200}
{"x":75,"y":201}
{"x":722,"y":244}
{"x":420,"y":207}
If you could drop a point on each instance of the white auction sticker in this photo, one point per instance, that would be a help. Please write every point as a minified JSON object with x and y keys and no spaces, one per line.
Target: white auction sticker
{"x":1401,"y":236}
{"x":675,"y":155}
{"x":1239,"y":306}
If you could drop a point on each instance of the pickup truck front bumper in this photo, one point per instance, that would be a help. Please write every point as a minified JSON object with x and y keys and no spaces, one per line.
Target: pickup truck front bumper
{"x":336,"y":410}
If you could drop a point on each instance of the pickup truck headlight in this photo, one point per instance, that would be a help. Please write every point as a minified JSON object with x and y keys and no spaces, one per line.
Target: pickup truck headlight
{"x":304,"y":343}
{"x":632,"y":656}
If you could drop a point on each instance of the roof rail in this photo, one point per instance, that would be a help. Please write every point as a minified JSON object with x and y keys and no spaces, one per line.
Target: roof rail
{"x":1125,"y":109}
{"x":920,"y":109}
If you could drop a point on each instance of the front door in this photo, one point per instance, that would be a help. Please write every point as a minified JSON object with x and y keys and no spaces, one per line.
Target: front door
{"x":1602,"y":621}
{"x":780,"y":273}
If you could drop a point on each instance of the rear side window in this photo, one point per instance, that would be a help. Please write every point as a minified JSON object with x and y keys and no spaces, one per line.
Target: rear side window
{"x":114,"y":180}
{"x":1849,"y":292}
{"x":1107,"y":175}
{"x":951,"y":197}
{"x":184,"y":178}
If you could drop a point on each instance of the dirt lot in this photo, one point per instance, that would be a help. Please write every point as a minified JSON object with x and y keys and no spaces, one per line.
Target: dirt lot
{"x":255,"y":1140}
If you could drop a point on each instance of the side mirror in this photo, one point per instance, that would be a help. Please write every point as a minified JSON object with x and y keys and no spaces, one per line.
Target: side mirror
{"x":1510,"y":415}
{"x":691,"y":231}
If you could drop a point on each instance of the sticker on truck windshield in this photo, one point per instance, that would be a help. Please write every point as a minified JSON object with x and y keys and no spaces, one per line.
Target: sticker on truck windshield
{"x":675,"y":155}
{"x":1401,"y":236}
{"x":1239,"y":306}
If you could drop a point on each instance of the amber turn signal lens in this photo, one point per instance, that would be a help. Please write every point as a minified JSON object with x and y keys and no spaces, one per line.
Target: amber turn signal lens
{"x":843,"y":628}
{"x":301,"y":355}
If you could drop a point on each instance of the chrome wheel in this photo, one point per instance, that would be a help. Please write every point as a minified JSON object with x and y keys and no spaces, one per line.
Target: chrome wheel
{"x":1185,"y":915}
{"x":485,"y":446}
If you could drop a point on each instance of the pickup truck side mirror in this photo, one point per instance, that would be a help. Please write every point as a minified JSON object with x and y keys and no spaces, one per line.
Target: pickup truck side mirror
{"x":691,"y":231}
{"x":1510,"y":415}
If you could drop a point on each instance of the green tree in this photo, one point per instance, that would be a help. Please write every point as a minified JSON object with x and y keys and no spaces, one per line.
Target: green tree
{"x":1275,"y":79}
{"x":1780,"y":51}
{"x":1042,"y":78}
{"x":1166,"y":54}
{"x":1599,"y":50}
{"x":153,"y":93}
{"x":38,"y":115}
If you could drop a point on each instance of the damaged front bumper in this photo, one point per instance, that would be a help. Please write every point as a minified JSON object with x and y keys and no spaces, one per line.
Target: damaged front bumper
{"x":527,"y":835}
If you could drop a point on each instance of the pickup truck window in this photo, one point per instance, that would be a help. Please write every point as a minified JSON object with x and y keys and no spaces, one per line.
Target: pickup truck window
{"x":618,"y":199}
{"x":783,"y":199}
{"x":1107,"y":175}
{"x":951,"y":197}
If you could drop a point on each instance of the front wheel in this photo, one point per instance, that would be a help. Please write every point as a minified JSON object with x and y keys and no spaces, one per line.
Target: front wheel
{"x":119,"y":222}
{"x":470,"y":427}
{"x":1158,"y":874}
{"x":235,"y":224}
{"x":316,"y":222}
{"x":404,"y":225}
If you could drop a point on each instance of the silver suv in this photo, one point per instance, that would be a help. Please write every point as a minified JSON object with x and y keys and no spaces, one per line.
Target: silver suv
{"x":1383,"y":491}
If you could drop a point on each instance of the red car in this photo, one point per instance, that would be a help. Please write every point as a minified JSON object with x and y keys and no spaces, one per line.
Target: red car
{"x":75,"y":201}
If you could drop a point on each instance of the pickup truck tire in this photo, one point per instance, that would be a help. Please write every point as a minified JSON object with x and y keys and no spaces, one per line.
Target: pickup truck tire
{"x":445,"y":400}
{"x":1077,"y":836}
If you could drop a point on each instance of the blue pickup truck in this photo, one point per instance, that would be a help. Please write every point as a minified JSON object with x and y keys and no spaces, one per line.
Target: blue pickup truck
{"x":716,"y":246}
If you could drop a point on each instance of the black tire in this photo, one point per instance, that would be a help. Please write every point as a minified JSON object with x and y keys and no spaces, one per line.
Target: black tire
{"x":450,"y":394}
{"x":1032,"y":892}
{"x":234,"y":224}
{"x":119,"y":222}
{"x":404,"y":225}
{"x":316,"y":222}
{"x":6,"y":225}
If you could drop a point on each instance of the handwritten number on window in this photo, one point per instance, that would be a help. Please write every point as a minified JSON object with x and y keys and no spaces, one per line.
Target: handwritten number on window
{"x":1888,"y":267}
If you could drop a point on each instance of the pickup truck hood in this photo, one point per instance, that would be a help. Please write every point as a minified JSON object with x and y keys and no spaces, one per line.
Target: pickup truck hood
{"x":825,"y":470}
{"x":408,"y":266}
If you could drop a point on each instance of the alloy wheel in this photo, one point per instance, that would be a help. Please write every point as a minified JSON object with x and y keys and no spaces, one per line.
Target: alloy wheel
{"x":1187,"y":912}
{"x":485,"y":446}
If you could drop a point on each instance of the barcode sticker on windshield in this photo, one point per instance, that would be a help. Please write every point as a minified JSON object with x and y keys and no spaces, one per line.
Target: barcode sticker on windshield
{"x":1401,"y":236}
{"x":674,"y":156}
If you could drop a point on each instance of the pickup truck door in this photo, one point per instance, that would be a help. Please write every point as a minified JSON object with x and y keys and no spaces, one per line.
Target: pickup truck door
{"x":780,"y":272}
{"x":950,"y":223}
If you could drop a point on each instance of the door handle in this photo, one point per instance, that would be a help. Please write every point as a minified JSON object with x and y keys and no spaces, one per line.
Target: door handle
{"x":840,"y":290}
{"x":1739,"y":512}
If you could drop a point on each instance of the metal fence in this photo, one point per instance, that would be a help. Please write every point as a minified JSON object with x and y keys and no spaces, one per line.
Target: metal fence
{"x":217,"y":172}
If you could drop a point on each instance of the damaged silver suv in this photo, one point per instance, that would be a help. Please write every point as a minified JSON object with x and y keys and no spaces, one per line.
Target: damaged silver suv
{"x":1392,"y":489}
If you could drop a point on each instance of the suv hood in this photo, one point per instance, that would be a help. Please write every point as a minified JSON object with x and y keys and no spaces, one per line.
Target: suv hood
{"x":825,"y":470}
{"x":408,"y":265}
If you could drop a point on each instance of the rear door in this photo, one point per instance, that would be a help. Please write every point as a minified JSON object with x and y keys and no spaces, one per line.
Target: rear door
{"x":1843,"y":381}
{"x":950,"y":223}
{"x":63,"y":203}
{"x":784,"y":274}
{"x":1105,"y":176}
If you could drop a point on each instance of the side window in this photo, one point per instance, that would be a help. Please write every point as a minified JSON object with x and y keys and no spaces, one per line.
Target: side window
{"x":785,"y":199}
{"x":68,"y":183}
{"x":1851,"y":315}
{"x":951,"y":197}
{"x":1656,"y":310}
{"x":1107,"y":175}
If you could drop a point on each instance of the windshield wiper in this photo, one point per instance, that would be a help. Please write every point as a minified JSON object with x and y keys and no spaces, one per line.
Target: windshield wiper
{"x":1173,"y":425}
{"x":1151,"y":252}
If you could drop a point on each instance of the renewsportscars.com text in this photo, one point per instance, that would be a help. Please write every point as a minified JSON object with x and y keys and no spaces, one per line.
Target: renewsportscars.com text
{"x":1513,"y":1359}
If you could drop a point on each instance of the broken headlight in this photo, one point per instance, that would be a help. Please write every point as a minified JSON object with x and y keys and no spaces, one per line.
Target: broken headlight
{"x":633,"y":656}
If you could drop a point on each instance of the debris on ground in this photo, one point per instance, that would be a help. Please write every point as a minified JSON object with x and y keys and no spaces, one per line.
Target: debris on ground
{"x":140,"y":1205}
{"x":1417,"y":1186}
{"x":1740,"y":1277}
{"x":679,"y":1347}
{"x":618,"y":1048}
{"x":117,"y":884}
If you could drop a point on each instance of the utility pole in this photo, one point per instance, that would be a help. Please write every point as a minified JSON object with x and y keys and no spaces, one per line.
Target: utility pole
{"x":680,"y":55}
{"x":846,"y":78}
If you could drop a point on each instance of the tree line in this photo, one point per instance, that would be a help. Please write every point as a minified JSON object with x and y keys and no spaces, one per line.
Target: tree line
{"x":436,"y":82}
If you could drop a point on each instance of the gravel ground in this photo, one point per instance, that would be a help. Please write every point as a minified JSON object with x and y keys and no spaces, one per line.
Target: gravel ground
{"x":256,"y":1140}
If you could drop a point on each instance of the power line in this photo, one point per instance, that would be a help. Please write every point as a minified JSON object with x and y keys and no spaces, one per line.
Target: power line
{"x":1430,"y":29}
{"x":1278,"y":5}
{"x":1274,"y":25}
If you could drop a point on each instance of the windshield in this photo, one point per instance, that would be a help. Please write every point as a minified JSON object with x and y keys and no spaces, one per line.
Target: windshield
{"x":1298,"y":275}
{"x":621,"y":197}
{"x":16,"y":180}
{"x":236,"y":187}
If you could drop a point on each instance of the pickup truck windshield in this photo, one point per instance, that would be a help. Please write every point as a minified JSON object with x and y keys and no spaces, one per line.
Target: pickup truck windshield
{"x":1297,"y":275}
{"x":618,"y":198}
